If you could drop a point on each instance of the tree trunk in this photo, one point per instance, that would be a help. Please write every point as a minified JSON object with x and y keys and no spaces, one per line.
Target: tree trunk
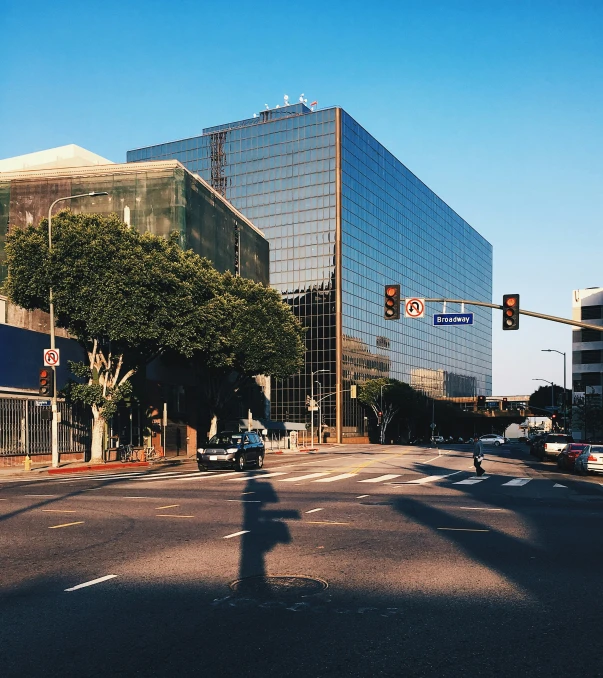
{"x":213,"y":429}
{"x":98,"y":430}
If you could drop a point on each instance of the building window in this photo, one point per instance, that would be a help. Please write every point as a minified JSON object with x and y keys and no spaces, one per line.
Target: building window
{"x":591,"y":357}
{"x":591,"y":378}
{"x":591,"y":312}
{"x":591,"y":335}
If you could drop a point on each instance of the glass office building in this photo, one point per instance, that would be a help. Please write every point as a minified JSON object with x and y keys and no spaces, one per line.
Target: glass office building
{"x":344,"y":217}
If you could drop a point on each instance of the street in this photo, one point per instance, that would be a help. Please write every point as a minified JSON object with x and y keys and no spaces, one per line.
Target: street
{"x":356,"y":561}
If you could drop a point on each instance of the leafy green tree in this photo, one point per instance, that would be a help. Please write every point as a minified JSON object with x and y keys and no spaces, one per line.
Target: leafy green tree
{"x":249,"y":332}
{"x":124,"y":296}
{"x":392,"y":398}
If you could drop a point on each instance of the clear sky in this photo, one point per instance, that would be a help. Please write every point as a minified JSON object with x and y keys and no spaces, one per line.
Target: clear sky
{"x":496,"y":106}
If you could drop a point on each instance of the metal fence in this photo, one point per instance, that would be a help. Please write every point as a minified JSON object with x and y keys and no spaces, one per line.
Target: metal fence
{"x":25,"y":427}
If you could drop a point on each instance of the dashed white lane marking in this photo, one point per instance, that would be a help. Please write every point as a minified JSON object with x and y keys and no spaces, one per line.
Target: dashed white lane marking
{"x":334,"y":478}
{"x":517,"y":482}
{"x":314,"y":510}
{"x":363,"y":496}
{"x":479,"y":508}
{"x":258,"y":475}
{"x":307,"y":477}
{"x":39,"y":495}
{"x":235,"y":534}
{"x":430,"y":479}
{"x":92,"y":582}
{"x":157,"y":508}
{"x":138,"y":497}
{"x":559,"y":485}
{"x":380,"y":479}
{"x":461,"y":529}
{"x":246,"y":501}
{"x":471,"y":481}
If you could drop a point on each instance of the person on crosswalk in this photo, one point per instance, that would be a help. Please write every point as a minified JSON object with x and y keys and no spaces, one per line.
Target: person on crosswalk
{"x":478,"y":456}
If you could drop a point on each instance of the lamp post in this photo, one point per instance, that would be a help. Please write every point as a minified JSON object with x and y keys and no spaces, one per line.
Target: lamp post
{"x":312,"y":404}
{"x":55,"y":420}
{"x":552,"y":350}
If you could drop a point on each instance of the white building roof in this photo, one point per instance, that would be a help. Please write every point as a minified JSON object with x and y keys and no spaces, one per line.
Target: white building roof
{"x":70,"y":155}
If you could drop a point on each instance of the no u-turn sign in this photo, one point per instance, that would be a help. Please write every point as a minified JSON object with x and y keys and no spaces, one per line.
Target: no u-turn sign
{"x":414,"y":308}
{"x":52,"y":357}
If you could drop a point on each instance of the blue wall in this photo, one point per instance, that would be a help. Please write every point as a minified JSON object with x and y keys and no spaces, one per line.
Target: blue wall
{"x":21,"y":356}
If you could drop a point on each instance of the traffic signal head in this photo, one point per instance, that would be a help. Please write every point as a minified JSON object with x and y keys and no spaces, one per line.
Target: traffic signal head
{"x":46,"y":382}
{"x":391,"y":308}
{"x":510,"y":311}
{"x":504,"y":405}
{"x":481,"y":402}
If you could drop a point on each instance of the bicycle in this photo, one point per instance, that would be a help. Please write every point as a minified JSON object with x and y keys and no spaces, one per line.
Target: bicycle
{"x":127,"y":453}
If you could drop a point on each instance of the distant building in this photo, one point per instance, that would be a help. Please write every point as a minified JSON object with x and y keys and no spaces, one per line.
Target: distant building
{"x":344,"y":217}
{"x":156,"y":197}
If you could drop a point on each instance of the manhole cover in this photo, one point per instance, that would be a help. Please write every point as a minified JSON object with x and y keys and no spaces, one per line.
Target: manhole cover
{"x":279,"y":586}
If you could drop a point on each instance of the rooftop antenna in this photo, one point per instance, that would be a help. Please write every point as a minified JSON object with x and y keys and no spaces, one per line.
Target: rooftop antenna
{"x":267,"y":107}
{"x":302,"y":99}
{"x":286,"y":97}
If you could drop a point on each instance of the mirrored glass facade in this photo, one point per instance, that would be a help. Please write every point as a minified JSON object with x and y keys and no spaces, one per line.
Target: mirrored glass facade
{"x":343,"y":218}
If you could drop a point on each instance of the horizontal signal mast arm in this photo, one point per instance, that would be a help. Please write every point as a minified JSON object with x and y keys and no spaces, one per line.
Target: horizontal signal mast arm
{"x":553,"y":318}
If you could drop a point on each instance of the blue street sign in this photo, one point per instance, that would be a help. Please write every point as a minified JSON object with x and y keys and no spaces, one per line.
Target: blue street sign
{"x":452,"y":319}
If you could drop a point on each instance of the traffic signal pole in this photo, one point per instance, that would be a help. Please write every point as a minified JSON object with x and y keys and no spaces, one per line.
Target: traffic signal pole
{"x":533,"y":314}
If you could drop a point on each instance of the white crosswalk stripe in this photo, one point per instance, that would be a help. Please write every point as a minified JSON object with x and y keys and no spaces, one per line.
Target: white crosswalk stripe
{"x":517,"y":482}
{"x":381,"y":479}
{"x":295,"y":479}
{"x":259,"y":476}
{"x":471,"y":481}
{"x":430,"y":479}
{"x":334,"y":478}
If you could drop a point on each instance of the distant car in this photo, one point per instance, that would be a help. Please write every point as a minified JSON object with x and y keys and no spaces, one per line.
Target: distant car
{"x":493,"y":439}
{"x":551,"y":444}
{"x":232,"y":450}
{"x":590,"y":460}
{"x":437,"y":439}
{"x":566,"y":459}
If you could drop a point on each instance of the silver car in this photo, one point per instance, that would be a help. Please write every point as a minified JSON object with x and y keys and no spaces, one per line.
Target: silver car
{"x":591,"y":459}
{"x":492,"y":439}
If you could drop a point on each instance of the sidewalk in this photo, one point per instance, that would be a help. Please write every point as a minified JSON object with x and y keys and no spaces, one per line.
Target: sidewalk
{"x":87,"y":467}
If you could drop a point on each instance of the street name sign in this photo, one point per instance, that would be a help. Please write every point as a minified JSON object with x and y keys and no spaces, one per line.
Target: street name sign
{"x":414,"y":308}
{"x":452,"y":319}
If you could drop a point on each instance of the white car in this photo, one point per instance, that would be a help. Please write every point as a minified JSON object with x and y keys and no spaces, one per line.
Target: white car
{"x":591,"y":460}
{"x":492,"y":439}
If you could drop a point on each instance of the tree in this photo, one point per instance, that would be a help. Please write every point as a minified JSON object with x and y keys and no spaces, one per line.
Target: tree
{"x":390,"y":397}
{"x":124,"y":296}
{"x":250,"y":332}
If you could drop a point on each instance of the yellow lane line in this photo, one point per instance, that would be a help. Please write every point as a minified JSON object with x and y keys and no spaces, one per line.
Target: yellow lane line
{"x":157,"y":508}
{"x":56,"y":527}
{"x":172,"y":515}
{"x":57,"y":511}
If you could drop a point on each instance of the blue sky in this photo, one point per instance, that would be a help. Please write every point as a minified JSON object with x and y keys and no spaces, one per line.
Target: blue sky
{"x":497,"y":106}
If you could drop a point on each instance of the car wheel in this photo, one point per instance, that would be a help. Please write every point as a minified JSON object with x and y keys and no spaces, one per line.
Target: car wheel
{"x":240,"y":463}
{"x":260,"y":460}
{"x":496,"y":443}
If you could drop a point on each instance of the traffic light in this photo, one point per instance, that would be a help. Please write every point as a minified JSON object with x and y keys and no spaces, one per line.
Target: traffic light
{"x":379,"y":417}
{"x":504,"y":404}
{"x":46,"y":382}
{"x":391,"y":309}
{"x":510,"y":311}
{"x":481,"y":402}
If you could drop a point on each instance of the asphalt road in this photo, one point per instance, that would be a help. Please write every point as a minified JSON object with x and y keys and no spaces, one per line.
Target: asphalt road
{"x":367,"y":561}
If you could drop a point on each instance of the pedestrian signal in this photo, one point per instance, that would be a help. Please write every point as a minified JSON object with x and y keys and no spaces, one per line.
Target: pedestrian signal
{"x":481,"y":402}
{"x":46,"y":382}
{"x":510,"y":311}
{"x":391,"y":310}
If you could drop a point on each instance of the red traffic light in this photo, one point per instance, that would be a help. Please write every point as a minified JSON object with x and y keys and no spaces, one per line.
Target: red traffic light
{"x":510,"y":311}
{"x":391,"y":310}
{"x":45,"y":382}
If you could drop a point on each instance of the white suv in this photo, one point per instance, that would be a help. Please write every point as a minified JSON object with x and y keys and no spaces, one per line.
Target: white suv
{"x":492,"y":439}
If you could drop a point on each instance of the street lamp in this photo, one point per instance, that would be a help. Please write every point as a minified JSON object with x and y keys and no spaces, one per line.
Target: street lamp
{"x":55,"y":420}
{"x":312,"y":405}
{"x":552,"y":350}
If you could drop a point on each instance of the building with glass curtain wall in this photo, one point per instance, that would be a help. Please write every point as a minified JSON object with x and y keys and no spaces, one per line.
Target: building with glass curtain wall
{"x":344,"y":217}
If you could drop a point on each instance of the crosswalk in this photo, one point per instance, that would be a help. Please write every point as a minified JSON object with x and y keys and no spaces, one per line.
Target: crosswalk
{"x":282,"y":478}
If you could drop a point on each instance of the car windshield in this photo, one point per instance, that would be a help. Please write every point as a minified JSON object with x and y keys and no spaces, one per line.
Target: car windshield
{"x":596,"y":448}
{"x":225,"y":439}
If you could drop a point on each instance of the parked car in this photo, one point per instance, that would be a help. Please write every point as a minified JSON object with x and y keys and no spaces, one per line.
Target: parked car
{"x":493,"y":439}
{"x":437,"y":439}
{"x":590,"y":460}
{"x":551,"y":444}
{"x":568,"y":455}
{"x":232,"y":450}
